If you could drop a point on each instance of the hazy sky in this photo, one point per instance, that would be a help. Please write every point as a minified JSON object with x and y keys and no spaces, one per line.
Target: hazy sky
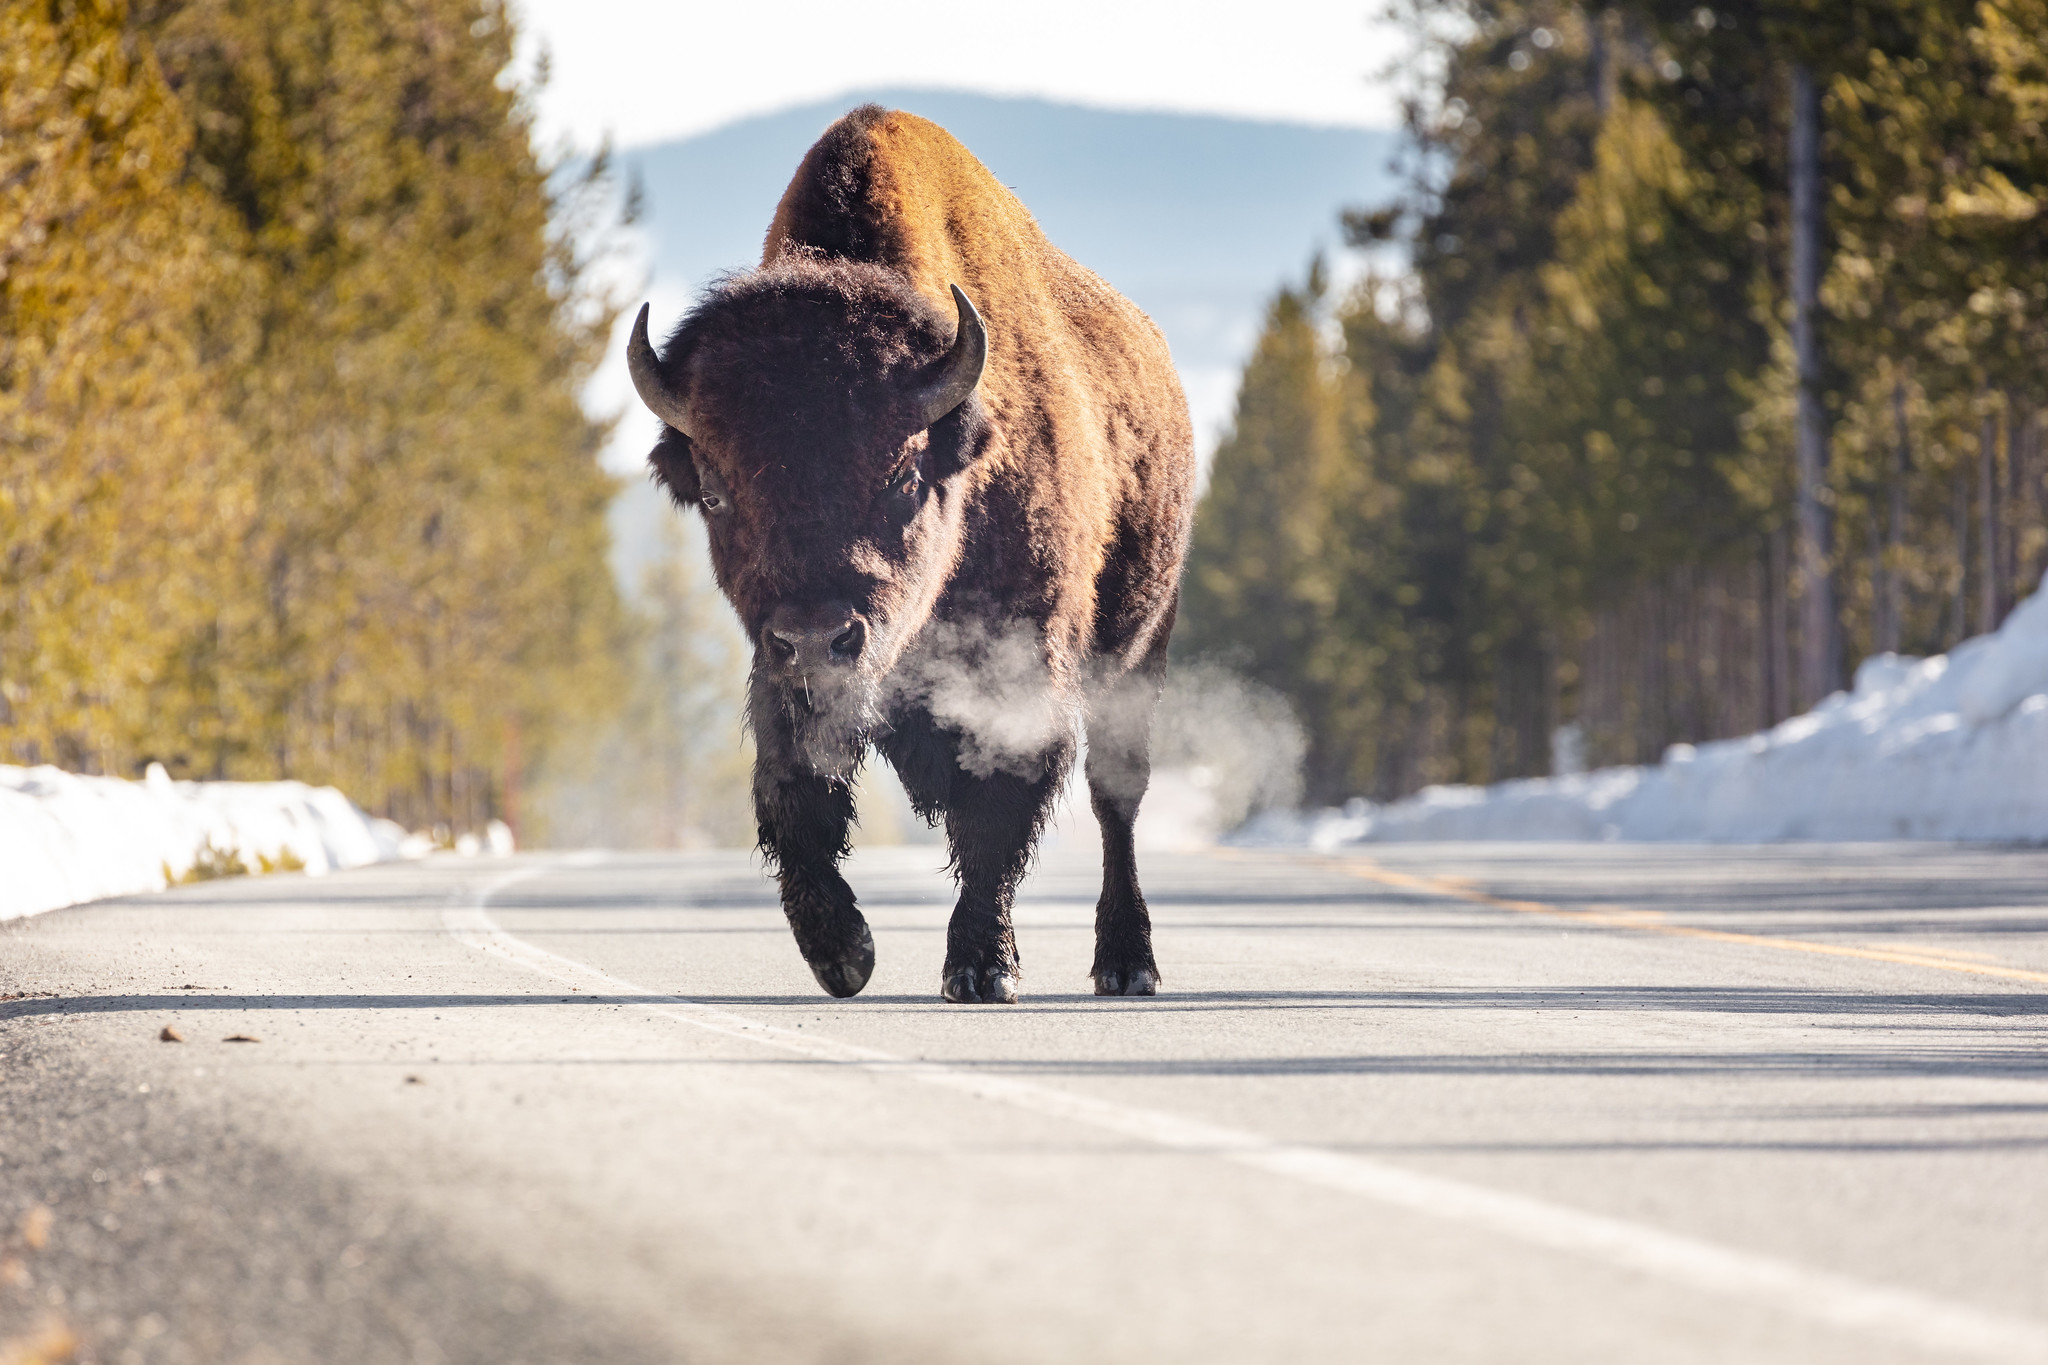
{"x":645,"y":70}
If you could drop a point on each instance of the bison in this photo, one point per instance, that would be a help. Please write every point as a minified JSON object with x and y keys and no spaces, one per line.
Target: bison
{"x":948,"y":478}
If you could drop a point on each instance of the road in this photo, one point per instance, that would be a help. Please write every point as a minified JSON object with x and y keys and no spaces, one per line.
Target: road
{"x":1422,"y":1103}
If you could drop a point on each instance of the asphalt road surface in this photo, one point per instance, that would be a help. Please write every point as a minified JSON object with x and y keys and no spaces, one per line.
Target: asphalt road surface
{"x":1434,"y":1103}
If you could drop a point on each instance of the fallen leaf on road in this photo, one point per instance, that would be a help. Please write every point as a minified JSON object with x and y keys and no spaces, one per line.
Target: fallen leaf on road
{"x":35,"y":1227}
{"x":170,"y":1035}
{"x":241,"y":1038}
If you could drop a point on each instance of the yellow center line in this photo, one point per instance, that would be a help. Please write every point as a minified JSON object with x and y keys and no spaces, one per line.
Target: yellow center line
{"x":1654,"y":922}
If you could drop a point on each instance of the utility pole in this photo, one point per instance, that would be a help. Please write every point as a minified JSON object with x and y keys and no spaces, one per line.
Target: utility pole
{"x":1820,"y":655}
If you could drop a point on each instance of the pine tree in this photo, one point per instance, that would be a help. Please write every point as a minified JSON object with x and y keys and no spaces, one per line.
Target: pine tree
{"x":1569,"y":466}
{"x":1276,"y":541}
{"x":429,"y":550}
{"x":668,"y":767}
{"x":122,"y":484}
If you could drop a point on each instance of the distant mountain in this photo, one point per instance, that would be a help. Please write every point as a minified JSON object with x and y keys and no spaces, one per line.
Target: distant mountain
{"x":1198,"y":219}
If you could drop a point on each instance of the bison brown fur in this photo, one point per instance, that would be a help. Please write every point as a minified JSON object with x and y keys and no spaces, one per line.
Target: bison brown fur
{"x":954,"y":555}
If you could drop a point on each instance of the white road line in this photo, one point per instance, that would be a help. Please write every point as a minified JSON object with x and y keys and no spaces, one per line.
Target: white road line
{"x":1899,"y":1315}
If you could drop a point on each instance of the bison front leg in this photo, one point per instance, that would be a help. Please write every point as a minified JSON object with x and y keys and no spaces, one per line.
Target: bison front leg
{"x":993,"y":823}
{"x":803,"y":822}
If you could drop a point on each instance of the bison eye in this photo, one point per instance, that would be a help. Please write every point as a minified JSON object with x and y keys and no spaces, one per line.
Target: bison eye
{"x":904,"y":485}
{"x":711,"y":502}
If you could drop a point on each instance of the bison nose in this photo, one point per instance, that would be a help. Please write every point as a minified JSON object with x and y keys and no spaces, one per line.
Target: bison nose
{"x":807,"y":641}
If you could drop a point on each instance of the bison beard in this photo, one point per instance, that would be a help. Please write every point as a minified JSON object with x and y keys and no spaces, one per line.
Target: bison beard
{"x":827,"y":728}
{"x":950,"y":542}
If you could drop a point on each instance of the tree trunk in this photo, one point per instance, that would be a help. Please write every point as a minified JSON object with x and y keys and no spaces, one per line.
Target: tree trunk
{"x":1959,"y":606}
{"x":1987,"y":523}
{"x":1777,"y":626}
{"x":2012,"y":525}
{"x":1603,"y":58}
{"x":1820,"y":664}
{"x":508,"y":800}
{"x":2032,"y":503}
{"x":1894,"y":604}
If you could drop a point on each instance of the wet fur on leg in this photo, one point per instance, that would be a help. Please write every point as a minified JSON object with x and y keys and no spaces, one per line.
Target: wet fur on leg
{"x":803,"y":822}
{"x":993,"y":823}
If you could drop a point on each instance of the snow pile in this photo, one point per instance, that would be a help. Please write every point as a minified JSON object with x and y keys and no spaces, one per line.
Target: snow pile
{"x":1953,"y":747}
{"x":66,"y":838}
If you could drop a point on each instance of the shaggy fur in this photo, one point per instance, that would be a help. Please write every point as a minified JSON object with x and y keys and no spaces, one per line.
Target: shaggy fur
{"x":1015,"y":567}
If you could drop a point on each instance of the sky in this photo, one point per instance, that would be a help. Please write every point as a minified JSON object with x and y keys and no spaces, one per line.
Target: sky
{"x":647,"y":71}
{"x":643,"y":70}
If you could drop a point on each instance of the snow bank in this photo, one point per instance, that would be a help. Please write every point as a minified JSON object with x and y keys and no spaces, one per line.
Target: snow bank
{"x":1953,"y":747}
{"x":66,"y":838}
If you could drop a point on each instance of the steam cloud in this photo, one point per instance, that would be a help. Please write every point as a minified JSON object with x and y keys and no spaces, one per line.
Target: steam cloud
{"x":992,"y":687}
{"x":1224,"y":748}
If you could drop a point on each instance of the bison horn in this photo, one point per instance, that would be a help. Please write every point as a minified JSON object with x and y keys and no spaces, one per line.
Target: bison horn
{"x":953,"y":378}
{"x":654,"y":391}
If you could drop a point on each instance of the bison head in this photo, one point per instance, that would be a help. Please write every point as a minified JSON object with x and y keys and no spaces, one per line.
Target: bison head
{"x":820,"y":415}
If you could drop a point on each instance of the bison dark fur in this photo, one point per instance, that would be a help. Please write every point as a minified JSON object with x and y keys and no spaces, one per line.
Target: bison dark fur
{"x":960,"y":591}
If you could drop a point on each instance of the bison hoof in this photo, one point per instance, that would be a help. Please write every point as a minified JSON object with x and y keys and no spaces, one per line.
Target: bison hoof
{"x":1140,"y":981}
{"x":981,"y":986}
{"x":845,"y":975}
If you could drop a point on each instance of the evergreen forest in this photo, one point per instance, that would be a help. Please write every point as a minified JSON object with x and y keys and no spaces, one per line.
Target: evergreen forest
{"x":1706,"y":355}
{"x":294,"y":480}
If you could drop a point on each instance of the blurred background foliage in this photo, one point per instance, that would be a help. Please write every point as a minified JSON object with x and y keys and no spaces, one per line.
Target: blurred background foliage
{"x":296,"y":482}
{"x":1546,"y":477}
